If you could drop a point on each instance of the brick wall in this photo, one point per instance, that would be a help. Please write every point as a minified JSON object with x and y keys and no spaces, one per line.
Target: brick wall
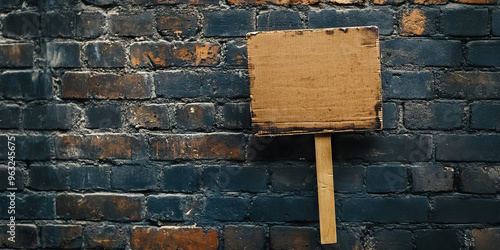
{"x":131,"y":120}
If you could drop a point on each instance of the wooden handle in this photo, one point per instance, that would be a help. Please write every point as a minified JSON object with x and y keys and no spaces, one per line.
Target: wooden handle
{"x":326,"y":201}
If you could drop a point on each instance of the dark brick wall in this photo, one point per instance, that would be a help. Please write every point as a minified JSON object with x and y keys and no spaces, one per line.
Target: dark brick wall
{"x":132,"y":127}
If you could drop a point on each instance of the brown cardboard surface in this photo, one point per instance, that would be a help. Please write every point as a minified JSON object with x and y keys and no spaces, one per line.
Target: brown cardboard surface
{"x":315,"y":81}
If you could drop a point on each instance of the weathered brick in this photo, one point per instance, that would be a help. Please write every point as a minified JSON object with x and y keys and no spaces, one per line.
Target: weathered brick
{"x":381,"y":17}
{"x":61,"y":236}
{"x":195,"y":116}
{"x":247,"y":237}
{"x":11,"y":116}
{"x":436,"y":115}
{"x":464,"y":22}
{"x":391,"y":115}
{"x":470,"y":85}
{"x":348,"y":179}
{"x":235,"y":178}
{"x":132,"y":24}
{"x":226,"y":208}
{"x":392,"y":239}
{"x":230,"y":84}
{"x":236,"y":54}
{"x":104,"y":3}
{"x":155,"y":116}
{"x":18,"y":175}
{"x":475,"y":1}
{"x":408,"y":85}
{"x":105,"y":55}
{"x":89,"y":177}
{"x":228,"y":22}
{"x":29,"y":206}
{"x":432,"y":178}
{"x":50,"y":116}
{"x":151,"y":54}
{"x":424,"y":52}
{"x":144,"y":237}
{"x":284,"y":209}
{"x":59,"y":24}
{"x":472,"y":210}
{"x":485,"y":116}
{"x":483,"y":53}
{"x":89,"y":24}
{"x":106,"y":86}
{"x":26,"y":85}
{"x":479,"y":180}
{"x":134,"y":178}
{"x":495,"y":22}
{"x":103,"y":116}
{"x":277,"y":2}
{"x":48,"y":178}
{"x":105,"y":237}
{"x":183,"y":178}
{"x":63,"y":54}
{"x":100,"y":206}
{"x":348,"y":239}
{"x":198,"y":146}
{"x":279,"y":20}
{"x":17,"y":55}
{"x":385,"y":179}
{"x":417,"y":22}
{"x":30,"y":147}
{"x":183,"y":25}
{"x":100,"y":146}
{"x":446,"y":239}
{"x":467,"y":148}
{"x":24,"y":24}
{"x":286,"y":237}
{"x":55,"y":4}
{"x":486,"y":239}
{"x":196,"y":54}
{"x":388,"y":2}
{"x":293,"y":177}
{"x":345,"y":1}
{"x":169,"y":208}
{"x":193,"y":2}
{"x":26,"y":236}
{"x":430,"y":2}
{"x":7,"y":5}
{"x":236,"y":115}
{"x":177,"y":84}
{"x":404,"y":209}
{"x":299,"y":147}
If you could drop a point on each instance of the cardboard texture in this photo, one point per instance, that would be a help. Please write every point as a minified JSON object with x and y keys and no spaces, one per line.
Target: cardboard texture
{"x":314,"y":81}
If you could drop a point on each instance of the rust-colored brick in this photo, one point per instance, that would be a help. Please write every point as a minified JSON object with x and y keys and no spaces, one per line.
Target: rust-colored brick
{"x":173,"y":238}
{"x":413,"y":22}
{"x":196,"y":54}
{"x":280,"y":2}
{"x":16,"y":55}
{"x":150,"y":116}
{"x":429,"y":2}
{"x":476,"y":1}
{"x":104,"y":146}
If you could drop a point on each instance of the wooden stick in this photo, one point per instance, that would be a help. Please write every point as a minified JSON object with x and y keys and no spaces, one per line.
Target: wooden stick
{"x":326,"y":201}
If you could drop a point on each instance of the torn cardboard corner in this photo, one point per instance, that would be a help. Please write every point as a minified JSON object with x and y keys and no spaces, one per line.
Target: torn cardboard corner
{"x":315,"y":81}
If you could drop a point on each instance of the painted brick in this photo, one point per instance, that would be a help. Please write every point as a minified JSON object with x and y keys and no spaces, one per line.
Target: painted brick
{"x":56,"y":4}
{"x":24,"y":24}
{"x":485,"y":116}
{"x":236,"y":115}
{"x":437,"y":239}
{"x":11,"y":116}
{"x":432,"y":179}
{"x":418,"y":22}
{"x":48,"y":178}
{"x":467,"y":148}
{"x":236,"y":54}
{"x":472,"y":210}
{"x":483,"y":53}
{"x":26,"y":85}
{"x":196,"y":54}
{"x":195,"y":116}
{"x":293,"y":177}
{"x":249,"y":237}
{"x":49,"y":117}
{"x":385,"y":179}
{"x":177,"y":84}
{"x":230,"y":84}
{"x":495,"y":22}
{"x":390,"y":116}
{"x":184,"y":178}
{"x":392,"y":239}
{"x":286,"y":209}
{"x":285,"y":237}
{"x":17,"y":55}
{"x":59,"y":24}
{"x":486,"y":239}
{"x":437,"y":115}
{"x":408,"y":85}
{"x":26,"y":236}
{"x":382,"y":18}
{"x":144,"y":237}
{"x":131,"y":25}
{"x":89,"y":178}
{"x":424,"y":52}
{"x":235,"y":178}
{"x":226,"y":208}
{"x":105,"y":237}
{"x":63,"y":54}
{"x":479,"y":180}
{"x":475,"y":1}
{"x":430,"y":2}
{"x":103,"y":116}
{"x":100,"y":206}
{"x":61,"y":236}
{"x":348,"y":179}
{"x":348,"y":239}
{"x":299,"y":147}
{"x":169,"y":208}
{"x":105,"y":55}
{"x":464,"y":22}
{"x":31,"y":147}
{"x":388,"y":2}
{"x":149,"y":116}
{"x":277,"y":2}
{"x":198,"y":146}
{"x":134,"y":178}
{"x":89,"y":24}
{"x":8,"y":5}
{"x":18,"y":175}
{"x":228,"y":23}
{"x":404,"y":209}
{"x":279,"y":20}
{"x":470,"y":85}
{"x":183,"y":25}
{"x":104,"y":3}
{"x":193,"y":2}
{"x":29,"y":207}
{"x":151,"y":54}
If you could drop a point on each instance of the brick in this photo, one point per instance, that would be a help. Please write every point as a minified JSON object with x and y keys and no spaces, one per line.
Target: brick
{"x":177,"y":84}
{"x":182,"y":25}
{"x":418,"y":22}
{"x":106,"y":86}
{"x":196,"y":54}
{"x":104,"y":3}
{"x":479,"y":180}
{"x":195,"y":116}
{"x":18,"y":175}
{"x":105,"y":55}
{"x":26,"y":236}
{"x":169,"y":208}
{"x":134,"y":178}
{"x":385,"y":179}
{"x":17,"y":55}
{"x":483,"y":53}
{"x":235,"y":178}
{"x":63,"y":54}
{"x":464,"y":22}
{"x":423,"y":52}
{"x":375,"y":148}
{"x":277,"y":2}
{"x":476,"y":1}
{"x":430,"y":2}
{"x":103,"y":116}
{"x":198,"y":146}
{"x":229,"y":84}
{"x":293,"y":177}
{"x":89,"y":178}
{"x":48,"y":178}
{"x":184,"y":178}
{"x":30,"y":147}
{"x":100,"y":206}
{"x":388,"y":2}
{"x":226,"y":208}
{"x":408,"y":85}
{"x":404,"y":209}
{"x":436,"y":115}
{"x":131,"y":25}
{"x":486,"y":239}
{"x":105,"y":237}
{"x":390,"y":116}
{"x":247,"y":237}
{"x":56,"y":4}
{"x":432,"y":179}
{"x":228,"y":23}
{"x":100,"y":146}
{"x":299,"y":147}
{"x":348,"y":179}
{"x":24,"y":24}
{"x":285,"y":209}
{"x":29,"y":207}
{"x":89,"y":24}
{"x":26,"y":85}
{"x":144,"y":237}
{"x":467,"y":148}
{"x":236,"y":54}
{"x":381,"y":17}
{"x":495,"y":22}
{"x":485,"y":116}
{"x":157,"y":2}
{"x":470,"y":85}
{"x":345,"y":1}
{"x":236,"y":115}
{"x":11,"y":116}
{"x":286,"y":237}
{"x":149,"y":116}
{"x":437,"y":239}
{"x":472,"y":210}
{"x":59,"y":24}
{"x":50,"y":116}
{"x":392,"y":239}
{"x":279,"y":20}
{"x":61,"y":236}
{"x":6,"y":5}
{"x":151,"y":54}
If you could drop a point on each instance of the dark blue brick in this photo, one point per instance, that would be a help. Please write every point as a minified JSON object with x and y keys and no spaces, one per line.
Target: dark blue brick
{"x":115,"y":237}
{"x":479,"y":180}
{"x":177,"y":25}
{"x":470,"y":85}
{"x":104,"y":116}
{"x":297,"y":147}
{"x":59,"y":24}
{"x":468,"y":148}
{"x":485,"y":116}
{"x":407,"y":209}
{"x":105,"y":55}
{"x":28,"y":147}
{"x":226,"y":84}
{"x":226,"y":208}
{"x":49,"y":117}
{"x":26,"y":236}
{"x":291,"y":176}
{"x":195,"y":116}
{"x":348,"y":179}
{"x":432,"y":178}
{"x":425,"y":52}
{"x":236,"y":53}
{"x":185,"y":178}
{"x":63,"y":54}
{"x":236,"y":115}
{"x":56,"y":4}
{"x":16,"y":55}
{"x":495,"y":22}
{"x":104,"y":3}
{"x":18,"y":175}
{"x":29,"y":207}
{"x":11,"y":115}
{"x":279,"y":20}
{"x":244,"y":237}
{"x":48,"y":178}
{"x":26,"y":85}
{"x":168,"y":208}
{"x":235,"y":178}
{"x":7,"y":5}
{"x":61,"y":236}
{"x":89,"y":24}
{"x":392,"y":239}
{"x":228,"y":22}
{"x":472,"y":210}
{"x":348,"y":239}
{"x":464,"y":21}
{"x":407,"y":85}
{"x":385,"y":179}
{"x":24,"y":24}
{"x":382,"y":18}
{"x":177,"y":84}
{"x":89,"y":177}
{"x":286,"y":237}
{"x":483,"y":53}
{"x":390,"y":115}
{"x":447,"y":239}
{"x":437,"y":115}
{"x":134,"y":178}
{"x":131,"y":25}
{"x":286,"y":209}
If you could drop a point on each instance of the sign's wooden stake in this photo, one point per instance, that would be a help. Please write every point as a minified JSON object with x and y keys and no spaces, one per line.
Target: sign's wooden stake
{"x":326,"y":201}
